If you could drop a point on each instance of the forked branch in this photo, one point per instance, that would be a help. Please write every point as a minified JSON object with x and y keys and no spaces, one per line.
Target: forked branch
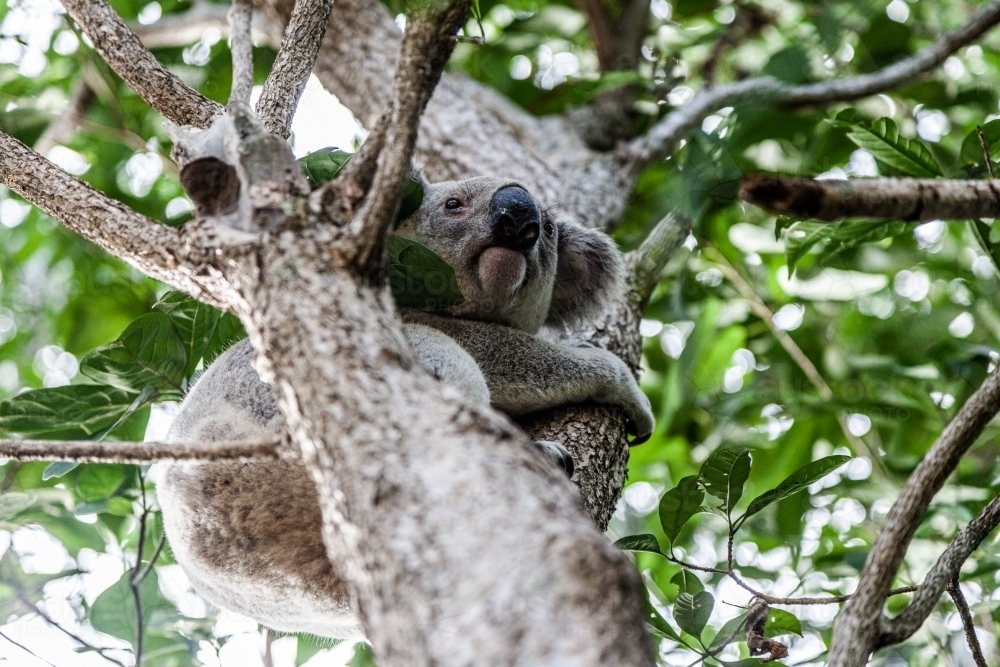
{"x":661,"y":141}
{"x":873,"y":198}
{"x":122,"y":50}
{"x":295,"y":60}
{"x":857,"y":629}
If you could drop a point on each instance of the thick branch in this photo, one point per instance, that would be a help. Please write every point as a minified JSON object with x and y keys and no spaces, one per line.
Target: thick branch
{"x":241,"y":45}
{"x":292,"y":67}
{"x":856,"y":629}
{"x":873,"y":198}
{"x":661,"y":141}
{"x":427,"y":45}
{"x":126,"y":55}
{"x":940,"y":576}
{"x":156,"y":250}
{"x":86,"y":451}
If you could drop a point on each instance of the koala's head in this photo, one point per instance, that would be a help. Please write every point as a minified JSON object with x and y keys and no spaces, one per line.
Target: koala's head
{"x":514,"y":263}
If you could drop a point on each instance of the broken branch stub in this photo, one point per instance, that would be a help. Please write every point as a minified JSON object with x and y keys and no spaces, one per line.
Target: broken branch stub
{"x":241,"y":177}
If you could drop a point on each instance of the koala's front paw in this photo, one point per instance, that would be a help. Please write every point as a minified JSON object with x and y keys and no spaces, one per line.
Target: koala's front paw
{"x":557,"y":453}
{"x":639,"y":420}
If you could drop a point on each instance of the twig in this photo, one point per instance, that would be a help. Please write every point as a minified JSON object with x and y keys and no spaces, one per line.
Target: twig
{"x":749,"y":21}
{"x":941,"y":574}
{"x":34,"y":608}
{"x":133,"y":580}
{"x":986,"y":151}
{"x":970,"y":629}
{"x":660,"y":141}
{"x":873,"y":198}
{"x":804,"y":363}
{"x":154,"y":249}
{"x":152,"y":560}
{"x":241,"y":45}
{"x":87,"y":451}
{"x":268,"y":657}
{"x":427,"y":45}
{"x":288,"y":76}
{"x":133,"y":62}
{"x":26,"y":649}
{"x":858,"y":626}
{"x":644,"y":264}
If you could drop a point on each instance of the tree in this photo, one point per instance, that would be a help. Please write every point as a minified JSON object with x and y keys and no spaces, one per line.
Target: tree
{"x":632,"y":148}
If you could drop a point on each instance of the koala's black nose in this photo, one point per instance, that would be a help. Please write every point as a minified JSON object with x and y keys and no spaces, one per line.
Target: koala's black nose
{"x":515,"y":217}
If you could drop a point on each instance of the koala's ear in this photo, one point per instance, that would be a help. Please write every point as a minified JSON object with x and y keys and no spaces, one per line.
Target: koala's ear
{"x":589,"y":275}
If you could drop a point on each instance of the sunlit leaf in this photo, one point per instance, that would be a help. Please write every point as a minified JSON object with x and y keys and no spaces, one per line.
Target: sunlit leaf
{"x":678,"y":505}
{"x":149,"y":353}
{"x":724,"y":473}
{"x":780,"y":622}
{"x":797,"y":481}
{"x":83,"y":407}
{"x":907,"y":156}
{"x":692,"y":611}
{"x":645,"y":542}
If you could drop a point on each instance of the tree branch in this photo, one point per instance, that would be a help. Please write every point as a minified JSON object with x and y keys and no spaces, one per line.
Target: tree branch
{"x":241,"y":45}
{"x":126,"y":55}
{"x":427,"y":45}
{"x":157,"y":250}
{"x":941,"y":575}
{"x":663,"y":138}
{"x":970,"y":629}
{"x":645,"y":263}
{"x":64,"y":126}
{"x":873,"y":198}
{"x":184,"y":28}
{"x":857,"y":628}
{"x":87,"y":451}
{"x":294,"y":63}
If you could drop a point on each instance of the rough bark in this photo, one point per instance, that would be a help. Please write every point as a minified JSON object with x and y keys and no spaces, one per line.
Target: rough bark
{"x":140,"y":452}
{"x":873,"y":198}
{"x":857,"y":628}
{"x":122,"y":50}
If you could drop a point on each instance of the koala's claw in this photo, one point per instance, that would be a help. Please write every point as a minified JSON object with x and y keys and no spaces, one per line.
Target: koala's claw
{"x":637,"y":438}
{"x":557,"y":453}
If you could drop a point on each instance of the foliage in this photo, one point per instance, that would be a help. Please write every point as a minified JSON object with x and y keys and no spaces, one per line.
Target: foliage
{"x":901,"y":322}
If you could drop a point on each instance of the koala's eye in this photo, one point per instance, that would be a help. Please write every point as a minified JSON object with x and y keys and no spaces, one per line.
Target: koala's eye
{"x":453,"y":204}
{"x":548,"y":228}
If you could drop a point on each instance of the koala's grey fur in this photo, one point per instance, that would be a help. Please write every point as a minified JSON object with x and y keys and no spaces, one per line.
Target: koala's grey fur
{"x":249,"y":535}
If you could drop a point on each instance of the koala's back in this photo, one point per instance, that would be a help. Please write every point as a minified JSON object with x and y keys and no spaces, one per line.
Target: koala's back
{"x":249,"y":534}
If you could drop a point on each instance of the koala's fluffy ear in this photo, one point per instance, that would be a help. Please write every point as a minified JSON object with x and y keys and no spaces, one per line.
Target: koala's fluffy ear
{"x":589,"y":275}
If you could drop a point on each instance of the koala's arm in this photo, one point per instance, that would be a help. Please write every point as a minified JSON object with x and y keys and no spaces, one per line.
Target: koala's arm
{"x":443,"y":358}
{"x":525,"y":373}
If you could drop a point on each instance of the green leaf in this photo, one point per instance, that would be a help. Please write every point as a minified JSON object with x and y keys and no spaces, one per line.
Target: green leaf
{"x":195,"y":323}
{"x":98,"y":481}
{"x":780,"y":622}
{"x":908,"y":156}
{"x":419,"y":278}
{"x":113,"y":612}
{"x":308,"y":645}
{"x":797,"y":481}
{"x":678,"y":505}
{"x":723,"y":634}
{"x":746,"y":662}
{"x":58,"y":469}
{"x":801,"y":238}
{"x":692,"y":612}
{"x":149,"y":353}
{"x":13,"y":503}
{"x":413,"y":197}
{"x":643,"y":542}
{"x":985,"y":237}
{"x":972,"y":148}
{"x":724,"y":473}
{"x":660,"y":625}
{"x":687,"y":582}
{"x":850,"y":234}
{"x":84,"y":409}
{"x":322,"y":166}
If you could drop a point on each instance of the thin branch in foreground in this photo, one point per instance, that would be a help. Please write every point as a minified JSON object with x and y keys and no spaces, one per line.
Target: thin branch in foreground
{"x":856,"y":630}
{"x":945,"y":569}
{"x":644,"y":264}
{"x":241,"y":45}
{"x":663,"y":138}
{"x":873,"y":198}
{"x":427,"y":44}
{"x":970,"y":629}
{"x":35,"y":609}
{"x":87,"y":451}
{"x":292,"y":66}
{"x":25,"y":649}
{"x":63,"y":127}
{"x":137,"y":67}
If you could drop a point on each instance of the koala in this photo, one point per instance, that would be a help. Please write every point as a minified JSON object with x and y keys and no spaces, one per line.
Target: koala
{"x":249,"y":534}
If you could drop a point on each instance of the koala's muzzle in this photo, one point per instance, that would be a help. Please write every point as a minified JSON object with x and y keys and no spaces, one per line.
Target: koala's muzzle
{"x":515,"y":218}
